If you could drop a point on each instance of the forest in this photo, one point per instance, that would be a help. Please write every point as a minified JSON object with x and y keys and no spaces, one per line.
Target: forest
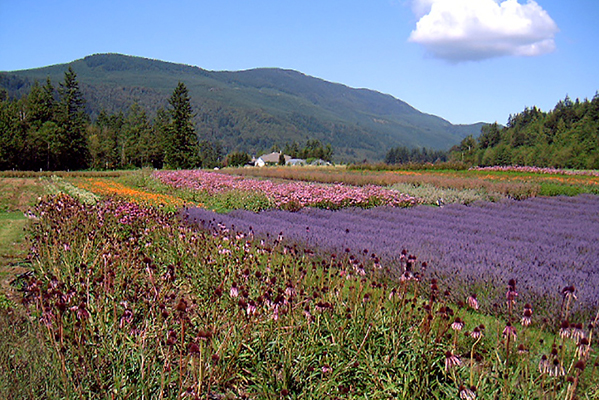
{"x":565,"y":137}
{"x":50,"y":128}
{"x":405,"y":155}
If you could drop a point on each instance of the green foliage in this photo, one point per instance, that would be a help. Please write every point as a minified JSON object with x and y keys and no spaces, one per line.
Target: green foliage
{"x":566,"y":137}
{"x":38,"y":132}
{"x":237,"y":159}
{"x":210,"y":154}
{"x":403,"y":155}
{"x":71,"y":120}
{"x":237,"y":200}
{"x":180,"y":143}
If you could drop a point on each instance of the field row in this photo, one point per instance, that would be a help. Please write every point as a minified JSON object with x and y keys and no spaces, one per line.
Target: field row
{"x":544,"y":243}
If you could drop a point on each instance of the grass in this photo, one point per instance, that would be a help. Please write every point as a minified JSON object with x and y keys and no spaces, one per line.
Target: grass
{"x":17,"y":195}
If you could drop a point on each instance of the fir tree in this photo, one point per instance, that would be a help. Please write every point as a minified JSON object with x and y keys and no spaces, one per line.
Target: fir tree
{"x":72,"y":121}
{"x":181,"y":142}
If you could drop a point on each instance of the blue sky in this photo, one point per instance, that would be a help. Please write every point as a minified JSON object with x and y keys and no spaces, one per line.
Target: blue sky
{"x":463,"y":60}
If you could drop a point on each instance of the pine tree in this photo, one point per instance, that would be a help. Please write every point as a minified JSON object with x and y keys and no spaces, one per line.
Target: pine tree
{"x":72,"y":121}
{"x":181,"y":143}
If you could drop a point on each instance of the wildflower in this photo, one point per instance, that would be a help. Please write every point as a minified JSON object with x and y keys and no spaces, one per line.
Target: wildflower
{"x":181,"y":306}
{"x":234,"y":292}
{"x":577,"y":332}
{"x":522,"y":350}
{"x":323,"y":306}
{"x":326,"y":369}
{"x":289,"y":290}
{"x":172,"y":338}
{"x":556,"y":368}
{"x":511,"y":293}
{"x":451,"y":360}
{"x":526,"y":319}
{"x":127,"y":318}
{"x":457,"y":324}
{"x":583,"y":348}
{"x":406,"y":276}
{"x":82,"y":311}
{"x":569,"y":292}
{"x":580,"y":366}
{"x":466,"y":393}
{"x":472,"y":301}
{"x":476,"y":333}
{"x":193,"y":348}
{"x":307,"y":313}
{"x":204,"y":335}
{"x":544,"y":365}
{"x":509,"y":331}
{"x":564,"y":330}
{"x":251,"y":308}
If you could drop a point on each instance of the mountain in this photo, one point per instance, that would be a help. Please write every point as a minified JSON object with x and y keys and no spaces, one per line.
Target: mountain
{"x":254,"y":109}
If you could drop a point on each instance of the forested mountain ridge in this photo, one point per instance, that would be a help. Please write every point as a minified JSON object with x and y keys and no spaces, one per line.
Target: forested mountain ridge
{"x":255,"y":109}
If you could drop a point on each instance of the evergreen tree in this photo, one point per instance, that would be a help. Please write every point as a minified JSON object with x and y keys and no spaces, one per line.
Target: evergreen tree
{"x":41,"y":104}
{"x":13,"y":129}
{"x":43,"y":130}
{"x":237,"y":159}
{"x":104,"y":143}
{"x":72,"y":121}
{"x":181,"y":143}
{"x":210,"y":154}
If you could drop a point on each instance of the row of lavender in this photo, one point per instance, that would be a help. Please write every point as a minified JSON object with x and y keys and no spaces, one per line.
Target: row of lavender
{"x":545,"y":244}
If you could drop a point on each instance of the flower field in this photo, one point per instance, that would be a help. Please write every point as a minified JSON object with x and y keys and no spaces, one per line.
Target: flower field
{"x":544,"y":243}
{"x":486,"y":183}
{"x":293,"y":195}
{"x":127,"y":299}
{"x":104,"y":187}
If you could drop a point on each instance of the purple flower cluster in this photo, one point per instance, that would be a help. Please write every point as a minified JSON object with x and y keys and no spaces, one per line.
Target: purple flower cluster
{"x":544,"y":243}
{"x":536,"y":170}
{"x":297,"y":194}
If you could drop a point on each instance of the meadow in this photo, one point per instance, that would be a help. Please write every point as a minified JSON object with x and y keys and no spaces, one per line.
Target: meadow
{"x":136,"y":288}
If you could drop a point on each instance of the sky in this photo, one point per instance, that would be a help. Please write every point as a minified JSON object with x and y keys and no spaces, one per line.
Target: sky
{"x":464,"y":60}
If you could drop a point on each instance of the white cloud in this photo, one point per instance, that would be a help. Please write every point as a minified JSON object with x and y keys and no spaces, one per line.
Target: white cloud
{"x":468,"y":30}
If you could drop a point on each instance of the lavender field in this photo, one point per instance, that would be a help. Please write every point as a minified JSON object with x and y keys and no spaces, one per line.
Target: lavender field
{"x":545,"y":244}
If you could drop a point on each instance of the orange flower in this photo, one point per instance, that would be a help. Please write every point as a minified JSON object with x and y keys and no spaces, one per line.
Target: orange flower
{"x":110,"y":188}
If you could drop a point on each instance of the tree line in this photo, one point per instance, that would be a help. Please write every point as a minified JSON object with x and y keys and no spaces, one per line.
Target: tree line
{"x":565,"y":137}
{"x":49,"y":129}
{"x":405,"y":155}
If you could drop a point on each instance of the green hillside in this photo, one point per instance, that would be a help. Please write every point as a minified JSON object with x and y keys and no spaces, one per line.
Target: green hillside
{"x":252,"y":110}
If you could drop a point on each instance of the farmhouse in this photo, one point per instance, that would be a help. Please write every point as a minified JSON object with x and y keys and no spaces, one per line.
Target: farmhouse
{"x":270,"y":159}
